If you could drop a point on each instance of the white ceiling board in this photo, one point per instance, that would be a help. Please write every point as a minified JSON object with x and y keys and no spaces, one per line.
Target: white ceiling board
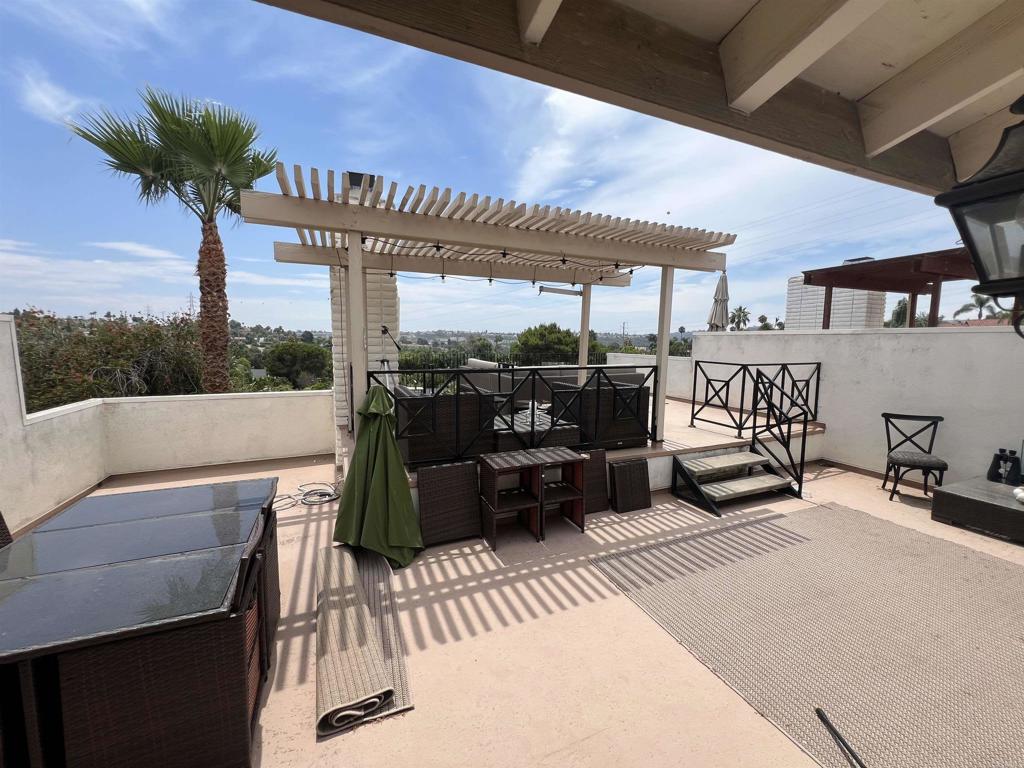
{"x":890,"y":41}
{"x":987,"y":105}
{"x":708,"y":20}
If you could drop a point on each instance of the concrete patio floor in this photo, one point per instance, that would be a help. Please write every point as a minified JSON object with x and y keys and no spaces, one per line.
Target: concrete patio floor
{"x":530,"y":657}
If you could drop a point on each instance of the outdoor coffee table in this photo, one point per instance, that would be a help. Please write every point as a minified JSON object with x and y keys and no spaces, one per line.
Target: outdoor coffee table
{"x":137,"y":628}
{"x":527,"y":499}
{"x":982,"y":505}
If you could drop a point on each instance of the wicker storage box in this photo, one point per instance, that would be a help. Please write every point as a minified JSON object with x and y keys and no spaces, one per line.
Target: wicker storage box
{"x":630,"y":485}
{"x":449,"y":502}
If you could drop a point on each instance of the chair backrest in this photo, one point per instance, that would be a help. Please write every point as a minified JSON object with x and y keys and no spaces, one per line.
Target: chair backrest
{"x":5,"y":532}
{"x":905,"y":428}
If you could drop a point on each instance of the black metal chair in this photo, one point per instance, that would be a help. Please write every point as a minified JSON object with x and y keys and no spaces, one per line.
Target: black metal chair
{"x":5,"y":533}
{"x":900,"y":431}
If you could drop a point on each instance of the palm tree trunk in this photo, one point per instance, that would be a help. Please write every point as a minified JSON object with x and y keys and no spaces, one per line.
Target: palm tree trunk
{"x":213,"y":310}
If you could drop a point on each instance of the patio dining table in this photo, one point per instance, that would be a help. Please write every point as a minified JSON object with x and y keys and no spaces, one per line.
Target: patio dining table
{"x":136,"y":628}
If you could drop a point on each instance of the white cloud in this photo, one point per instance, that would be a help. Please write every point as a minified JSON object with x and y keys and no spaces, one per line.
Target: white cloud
{"x":253,"y":278}
{"x":136,"y":249}
{"x":104,"y":27}
{"x":357,"y":66}
{"x":39,"y":95}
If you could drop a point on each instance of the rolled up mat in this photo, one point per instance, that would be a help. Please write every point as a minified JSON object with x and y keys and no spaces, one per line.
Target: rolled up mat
{"x":360,"y":658}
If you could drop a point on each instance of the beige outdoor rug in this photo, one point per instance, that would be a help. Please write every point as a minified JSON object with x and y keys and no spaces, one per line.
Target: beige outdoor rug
{"x":914,"y":646}
{"x":360,"y":658}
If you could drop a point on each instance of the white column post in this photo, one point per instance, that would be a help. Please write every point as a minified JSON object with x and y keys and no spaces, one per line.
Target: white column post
{"x":355,"y":285}
{"x":664,"y":337}
{"x":582,"y":358}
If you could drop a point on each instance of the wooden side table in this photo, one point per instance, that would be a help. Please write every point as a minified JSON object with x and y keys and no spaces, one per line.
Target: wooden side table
{"x":523,"y":501}
{"x":567,"y":490}
{"x":982,"y":505}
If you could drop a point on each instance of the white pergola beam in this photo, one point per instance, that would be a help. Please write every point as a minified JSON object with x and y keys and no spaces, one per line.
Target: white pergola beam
{"x":778,"y":39}
{"x":974,"y":145}
{"x":292,"y":253}
{"x":535,"y":16}
{"x":282,"y":211}
{"x":986,"y":56}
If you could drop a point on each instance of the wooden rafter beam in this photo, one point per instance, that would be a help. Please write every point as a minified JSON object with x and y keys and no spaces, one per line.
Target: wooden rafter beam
{"x":535,"y":16}
{"x":291,"y":253}
{"x":670,"y":75}
{"x":283,"y":211}
{"x":985,"y":57}
{"x":778,"y":39}
{"x":974,"y":145}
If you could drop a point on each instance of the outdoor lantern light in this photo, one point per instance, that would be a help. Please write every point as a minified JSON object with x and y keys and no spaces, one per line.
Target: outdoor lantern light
{"x":988,"y":209}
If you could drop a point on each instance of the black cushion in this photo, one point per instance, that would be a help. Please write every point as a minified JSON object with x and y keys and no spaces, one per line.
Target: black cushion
{"x":917,"y":459}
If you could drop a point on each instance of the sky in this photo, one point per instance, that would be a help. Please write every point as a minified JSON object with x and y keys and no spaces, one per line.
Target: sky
{"x":74,"y":239}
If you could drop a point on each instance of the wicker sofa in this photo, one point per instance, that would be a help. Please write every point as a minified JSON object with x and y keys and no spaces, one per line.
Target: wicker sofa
{"x":609,"y":417}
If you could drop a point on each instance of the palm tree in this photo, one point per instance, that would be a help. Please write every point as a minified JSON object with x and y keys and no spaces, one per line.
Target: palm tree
{"x":201,"y":153}
{"x":980,"y":304}
{"x":740,"y":317}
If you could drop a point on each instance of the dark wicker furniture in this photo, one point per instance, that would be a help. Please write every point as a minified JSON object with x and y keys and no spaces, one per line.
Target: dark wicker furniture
{"x":543,"y":476}
{"x":140,"y":632}
{"x":449,"y":502}
{"x":595,"y":480}
{"x":903,"y":429}
{"x":630,"y":485}
{"x":982,"y":505}
{"x":5,"y":532}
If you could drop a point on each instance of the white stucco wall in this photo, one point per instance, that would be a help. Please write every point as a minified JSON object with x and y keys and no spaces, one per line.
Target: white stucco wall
{"x":49,"y":457}
{"x":971,"y":376}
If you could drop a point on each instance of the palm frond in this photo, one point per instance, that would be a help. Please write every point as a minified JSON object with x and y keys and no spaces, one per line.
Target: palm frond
{"x":130,"y":150}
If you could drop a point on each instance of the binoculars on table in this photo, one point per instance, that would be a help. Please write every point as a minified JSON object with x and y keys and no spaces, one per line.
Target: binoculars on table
{"x":1005,"y":467}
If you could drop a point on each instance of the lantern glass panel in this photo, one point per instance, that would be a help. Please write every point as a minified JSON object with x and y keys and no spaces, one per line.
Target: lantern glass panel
{"x":996,"y":228}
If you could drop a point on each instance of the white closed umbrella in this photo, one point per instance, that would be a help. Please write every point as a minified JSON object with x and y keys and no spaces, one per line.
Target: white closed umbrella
{"x":718,"y":318}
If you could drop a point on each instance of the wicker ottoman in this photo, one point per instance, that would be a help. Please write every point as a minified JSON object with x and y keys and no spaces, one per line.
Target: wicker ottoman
{"x":630,"y":485}
{"x":449,"y":502}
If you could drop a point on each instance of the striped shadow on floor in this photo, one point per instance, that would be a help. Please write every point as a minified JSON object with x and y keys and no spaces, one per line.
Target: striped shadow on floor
{"x":913,"y":645}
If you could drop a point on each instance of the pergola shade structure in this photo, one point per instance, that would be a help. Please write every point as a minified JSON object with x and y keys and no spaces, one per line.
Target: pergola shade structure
{"x":358,"y":221}
{"x":919,"y":273}
{"x":913,"y":93}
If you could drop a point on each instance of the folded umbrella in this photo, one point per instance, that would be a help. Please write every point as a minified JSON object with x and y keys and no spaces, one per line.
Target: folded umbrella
{"x":376,"y":510}
{"x":718,"y":318}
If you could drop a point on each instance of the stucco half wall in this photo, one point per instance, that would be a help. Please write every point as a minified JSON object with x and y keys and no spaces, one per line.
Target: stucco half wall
{"x":970,"y":376}
{"x":52,"y":456}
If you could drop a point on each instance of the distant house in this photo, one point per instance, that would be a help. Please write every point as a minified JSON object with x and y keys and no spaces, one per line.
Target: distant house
{"x":259,"y":373}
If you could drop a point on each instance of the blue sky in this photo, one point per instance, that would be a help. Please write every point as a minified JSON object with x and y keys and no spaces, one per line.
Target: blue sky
{"x":74,"y":239}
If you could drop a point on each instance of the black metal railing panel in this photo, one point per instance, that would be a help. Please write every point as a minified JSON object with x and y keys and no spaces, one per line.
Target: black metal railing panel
{"x":775,"y":412}
{"x":724,"y":393}
{"x":456,"y":413}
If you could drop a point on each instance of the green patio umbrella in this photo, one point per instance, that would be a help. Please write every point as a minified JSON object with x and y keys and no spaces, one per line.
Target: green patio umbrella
{"x":376,"y":509}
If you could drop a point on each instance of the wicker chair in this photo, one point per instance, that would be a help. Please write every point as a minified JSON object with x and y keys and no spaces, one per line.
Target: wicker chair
{"x":5,"y":532}
{"x":630,"y":485}
{"x":449,"y":502}
{"x":899,"y":460}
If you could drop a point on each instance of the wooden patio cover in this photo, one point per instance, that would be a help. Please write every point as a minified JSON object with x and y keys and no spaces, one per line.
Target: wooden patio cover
{"x":915,"y":274}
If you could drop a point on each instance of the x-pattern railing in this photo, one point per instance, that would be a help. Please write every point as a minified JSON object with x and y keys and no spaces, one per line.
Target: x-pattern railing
{"x":773,"y":436}
{"x":723,"y":393}
{"x":537,"y":402}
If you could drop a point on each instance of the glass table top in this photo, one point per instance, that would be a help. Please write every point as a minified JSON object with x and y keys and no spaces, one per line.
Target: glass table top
{"x":66,"y":549}
{"x":121,"y":563}
{"x":57,"y":609}
{"x":115,"y":508}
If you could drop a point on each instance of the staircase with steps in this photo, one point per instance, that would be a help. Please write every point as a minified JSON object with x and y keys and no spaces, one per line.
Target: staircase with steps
{"x":713,"y":480}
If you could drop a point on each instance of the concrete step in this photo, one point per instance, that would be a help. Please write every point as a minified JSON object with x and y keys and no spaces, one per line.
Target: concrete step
{"x":708,"y":465}
{"x":744,"y":486}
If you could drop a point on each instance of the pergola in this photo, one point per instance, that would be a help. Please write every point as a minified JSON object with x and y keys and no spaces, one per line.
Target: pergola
{"x":359,"y":222}
{"x":914,"y":275}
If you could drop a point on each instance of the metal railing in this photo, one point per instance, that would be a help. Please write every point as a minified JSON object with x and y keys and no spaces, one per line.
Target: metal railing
{"x":446,"y":414}
{"x":774,"y":435}
{"x":724,"y":393}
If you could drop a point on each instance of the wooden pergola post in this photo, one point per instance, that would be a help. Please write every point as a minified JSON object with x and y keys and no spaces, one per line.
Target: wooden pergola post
{"x":355,"y":285}
{"x":664,"y":337}
{"x":826,"y":316}
{"x":584,"y":347}
{"x":933,"y":308}
{"x":912,"y":310}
